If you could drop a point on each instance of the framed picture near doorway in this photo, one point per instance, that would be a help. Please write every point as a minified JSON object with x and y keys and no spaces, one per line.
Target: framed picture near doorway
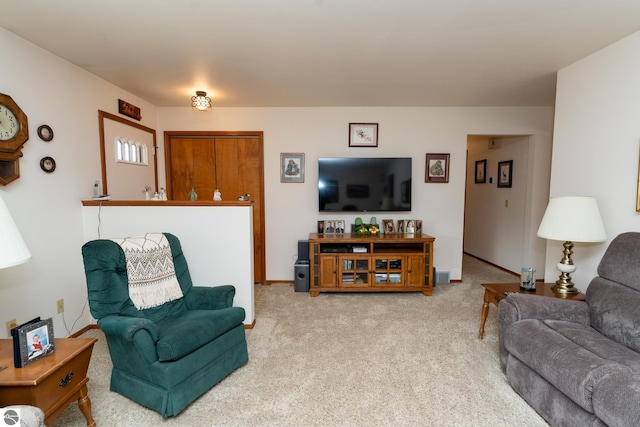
{"x":505,"y":174}
{"x":481,"y":171}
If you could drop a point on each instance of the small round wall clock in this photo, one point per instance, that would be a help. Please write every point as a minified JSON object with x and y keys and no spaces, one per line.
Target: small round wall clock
{"x":47,"y":164}
{"x":45,"y":133}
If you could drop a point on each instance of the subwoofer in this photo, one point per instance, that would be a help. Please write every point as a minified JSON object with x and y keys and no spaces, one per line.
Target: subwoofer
{"x":301,"y":271}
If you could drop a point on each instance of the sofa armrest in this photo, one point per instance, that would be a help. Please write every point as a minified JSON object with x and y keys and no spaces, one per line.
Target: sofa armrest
{"x":523,"y":306}
{"x":210,"y":298}
{"x":517,"y":307}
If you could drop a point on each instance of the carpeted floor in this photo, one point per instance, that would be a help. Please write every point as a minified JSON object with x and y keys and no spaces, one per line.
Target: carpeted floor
{"x":348,"y":360}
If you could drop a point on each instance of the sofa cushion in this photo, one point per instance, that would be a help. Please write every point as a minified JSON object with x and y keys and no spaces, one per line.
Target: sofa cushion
{"x":193,"y":329}
{"x":572,"y":357}
{"x":620,"y":261}
{"x":616,"y":397}
{"x":614,"y":310}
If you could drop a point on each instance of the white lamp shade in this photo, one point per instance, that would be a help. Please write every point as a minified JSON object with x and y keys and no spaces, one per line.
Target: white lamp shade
{"x":13,"y":250}
{"x":572,"y":219}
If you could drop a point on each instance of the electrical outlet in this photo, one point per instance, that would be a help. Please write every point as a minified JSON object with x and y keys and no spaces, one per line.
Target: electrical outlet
{"x":60,"y":305}
{"x":10,"y":325}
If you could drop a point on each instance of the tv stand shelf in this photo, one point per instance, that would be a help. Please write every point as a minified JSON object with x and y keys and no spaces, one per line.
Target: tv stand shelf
{"x":384,"y":263}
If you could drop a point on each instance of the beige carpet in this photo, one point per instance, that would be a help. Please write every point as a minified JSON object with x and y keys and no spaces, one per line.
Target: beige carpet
{"x":349,"y":360}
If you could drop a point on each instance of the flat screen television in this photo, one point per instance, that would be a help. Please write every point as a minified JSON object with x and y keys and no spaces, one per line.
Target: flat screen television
{"x":358,"y":184}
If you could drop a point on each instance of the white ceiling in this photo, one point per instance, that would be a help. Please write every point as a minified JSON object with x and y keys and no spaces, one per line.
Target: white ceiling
{"x":326,"y":52}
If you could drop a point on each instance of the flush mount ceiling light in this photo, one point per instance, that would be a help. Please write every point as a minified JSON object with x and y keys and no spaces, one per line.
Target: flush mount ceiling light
{"x":201,"y":102}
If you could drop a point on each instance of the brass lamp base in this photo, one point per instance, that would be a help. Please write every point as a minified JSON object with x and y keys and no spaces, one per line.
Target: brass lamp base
{"x":564,"y":285}
{"x":564,"y":288}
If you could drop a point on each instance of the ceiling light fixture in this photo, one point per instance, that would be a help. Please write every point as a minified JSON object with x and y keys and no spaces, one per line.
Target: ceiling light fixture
{"x":201,"y":102}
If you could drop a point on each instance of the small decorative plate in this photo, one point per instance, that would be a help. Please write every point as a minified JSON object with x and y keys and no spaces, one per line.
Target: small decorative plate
{"x":47,"y":164}
{"x":45,"y":133}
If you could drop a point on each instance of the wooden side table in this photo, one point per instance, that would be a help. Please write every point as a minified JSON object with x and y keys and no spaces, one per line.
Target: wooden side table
{"x":496,"y":292}
{"x":51,"y":383}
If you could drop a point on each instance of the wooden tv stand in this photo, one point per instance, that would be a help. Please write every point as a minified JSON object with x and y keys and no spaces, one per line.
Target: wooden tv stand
{"x":384,"y":263}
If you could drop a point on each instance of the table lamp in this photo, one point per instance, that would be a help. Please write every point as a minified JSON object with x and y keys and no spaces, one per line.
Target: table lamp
{"x":13,"y":250}
{"x":571,"y":219}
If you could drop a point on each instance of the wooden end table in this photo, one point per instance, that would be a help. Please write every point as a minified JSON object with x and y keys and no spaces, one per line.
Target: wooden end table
{"x":51,"y":383}
{"x":496,"y":292}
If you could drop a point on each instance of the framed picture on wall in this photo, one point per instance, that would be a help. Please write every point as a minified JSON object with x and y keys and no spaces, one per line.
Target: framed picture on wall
{"x":363,"y":134}
{"x":437,"y":168}
{"x":481,"y":171}
{"x":505,"y":173}
{"x":292,"y":167}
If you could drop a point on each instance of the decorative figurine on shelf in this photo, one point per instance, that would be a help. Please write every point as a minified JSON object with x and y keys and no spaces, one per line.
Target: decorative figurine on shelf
{"x":146,"y":191}
{"x":244,"y":197}
{"x":163,"y":193}
{"x":374,"y":228}
{"x":363,"y":229}
{"x":217,"y":196}
{"x":193,"y":195}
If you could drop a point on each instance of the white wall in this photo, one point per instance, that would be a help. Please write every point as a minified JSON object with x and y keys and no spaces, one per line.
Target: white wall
{"x":292,"y":209}
{"x":595,"y":151}
{"x":501,"y":223}
{"x":218,"y":252}
{"x":46,"y":207}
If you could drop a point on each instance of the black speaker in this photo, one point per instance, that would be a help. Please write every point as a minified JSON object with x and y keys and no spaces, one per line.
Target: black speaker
{"x":303,"y":249}
{"x":301,"y":271}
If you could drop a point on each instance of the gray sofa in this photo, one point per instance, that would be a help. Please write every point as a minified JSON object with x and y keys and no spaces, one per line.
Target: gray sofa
{"x":578,"y":363}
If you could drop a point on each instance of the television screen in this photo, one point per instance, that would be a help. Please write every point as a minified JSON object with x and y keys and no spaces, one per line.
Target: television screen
{"x":364,"y":184}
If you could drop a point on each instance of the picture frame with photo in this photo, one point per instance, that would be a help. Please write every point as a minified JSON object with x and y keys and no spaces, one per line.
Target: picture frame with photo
{"x":333,"y":226}
{"x":291,"y":167}
{"x":388,"y":226}
{"x":32,"y":342}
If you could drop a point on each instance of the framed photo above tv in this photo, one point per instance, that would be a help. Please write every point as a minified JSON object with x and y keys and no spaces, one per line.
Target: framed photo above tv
{"x":363,"y":134}
{"x":292,"y":167}
{"x":437,"y":168}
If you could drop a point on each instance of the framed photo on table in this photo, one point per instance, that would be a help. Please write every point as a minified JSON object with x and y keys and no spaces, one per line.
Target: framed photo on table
{"x":33,"y":341}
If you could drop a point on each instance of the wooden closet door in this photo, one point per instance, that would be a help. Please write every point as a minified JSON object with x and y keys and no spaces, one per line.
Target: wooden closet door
{"x":192,"y":165}
{"x":225,"y":161}
{"x":239,"y":170}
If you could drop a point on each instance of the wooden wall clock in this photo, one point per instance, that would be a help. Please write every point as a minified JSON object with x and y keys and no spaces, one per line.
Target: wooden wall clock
{"x":14,"y":132}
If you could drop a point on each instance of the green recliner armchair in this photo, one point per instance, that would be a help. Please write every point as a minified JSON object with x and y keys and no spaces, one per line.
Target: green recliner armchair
{"x":163,"y":357}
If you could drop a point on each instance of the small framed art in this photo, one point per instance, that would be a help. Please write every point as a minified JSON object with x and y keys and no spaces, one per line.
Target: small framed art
{"x":481,"y":171}
{"x":505,"y":174}
{"x":363,"y":134}
{"x":388,"y":227}
{"x":292,"y":167}
{"x":32,"y":342}
{"x":437,"y":168}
